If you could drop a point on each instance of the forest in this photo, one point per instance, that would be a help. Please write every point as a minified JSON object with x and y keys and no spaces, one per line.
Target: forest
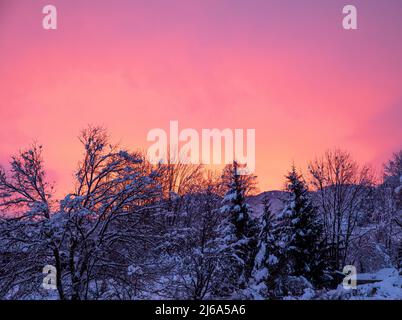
{"x":131,"y":229}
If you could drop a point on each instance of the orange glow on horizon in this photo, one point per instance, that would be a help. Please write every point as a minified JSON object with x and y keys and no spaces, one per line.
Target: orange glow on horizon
{"x":298,"y":79}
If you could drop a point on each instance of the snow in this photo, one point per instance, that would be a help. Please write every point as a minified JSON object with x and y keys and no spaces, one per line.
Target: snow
{"x":131,"y":270}
{"x":381,"y":274}
{"x":230,"y":197}
{"x":261,"y":254}
{"x":389,"y":287}
{"x":272,"y":259}
{"x":261,"y":274}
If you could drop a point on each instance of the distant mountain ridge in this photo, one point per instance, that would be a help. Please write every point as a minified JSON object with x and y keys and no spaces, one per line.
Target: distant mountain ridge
{"x":276,"y":197}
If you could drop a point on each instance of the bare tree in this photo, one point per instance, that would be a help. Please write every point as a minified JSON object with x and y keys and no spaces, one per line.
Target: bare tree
{"x":112,"y":186}
{"x":384,"y":216}
{"x":200,"y":256}
{"x":27,"y":237}
{"x":342,"y":190}
{"x":177,"y":179}
{"x":393,"y":168}
{"x":391,"y":194}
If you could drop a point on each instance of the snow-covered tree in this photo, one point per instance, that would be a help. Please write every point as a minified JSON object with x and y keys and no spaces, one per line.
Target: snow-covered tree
{"x":198,"y":254}
{"x":27,"y":224}
{"x":93,"y":237}
{"x":114,"y":192}
{"x":393,"y":220}
{"x":266,"y":262}
{"x":398,"y":221}
{"x":301,"y":232}
{"x":238,"y":231}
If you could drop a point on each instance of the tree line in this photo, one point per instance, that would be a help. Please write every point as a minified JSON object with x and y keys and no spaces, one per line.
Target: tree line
{"x":134,"y":230}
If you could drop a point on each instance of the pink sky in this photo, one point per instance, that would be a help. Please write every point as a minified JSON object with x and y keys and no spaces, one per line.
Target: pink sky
{"x":285,"y":68}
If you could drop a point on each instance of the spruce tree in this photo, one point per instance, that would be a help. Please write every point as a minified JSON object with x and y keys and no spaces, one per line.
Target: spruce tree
{"x":237,"y":234}
{"x":266,"y":262}
{"x":301,"y":232}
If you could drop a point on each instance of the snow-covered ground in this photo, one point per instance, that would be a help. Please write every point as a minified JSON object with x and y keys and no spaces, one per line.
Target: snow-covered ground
{"x":388,"y":287}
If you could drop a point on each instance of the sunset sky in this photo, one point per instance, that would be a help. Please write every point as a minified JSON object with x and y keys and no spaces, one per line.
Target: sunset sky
{"x":285,"y":68}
